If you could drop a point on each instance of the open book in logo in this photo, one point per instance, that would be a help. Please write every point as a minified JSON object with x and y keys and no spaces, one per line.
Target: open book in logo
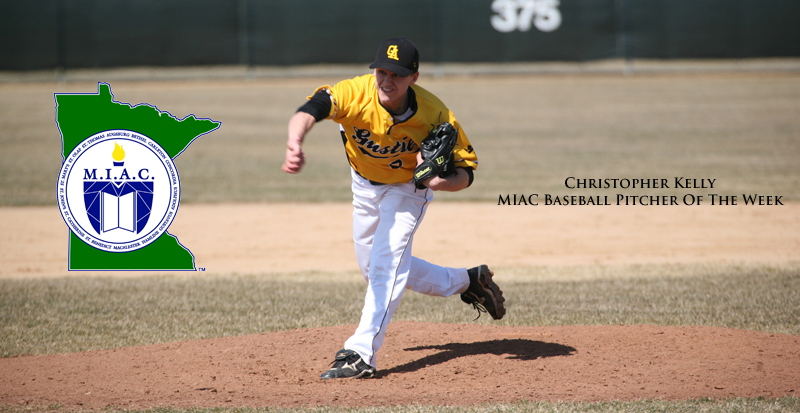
{"x":110,"y":206}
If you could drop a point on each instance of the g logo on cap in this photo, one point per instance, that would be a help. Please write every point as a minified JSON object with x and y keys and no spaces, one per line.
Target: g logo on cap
{"x":391,"y":52}
{"x":390,"y":58}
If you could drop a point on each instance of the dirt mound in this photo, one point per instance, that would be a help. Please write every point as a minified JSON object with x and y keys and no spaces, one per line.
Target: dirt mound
{"x":420,"y":363}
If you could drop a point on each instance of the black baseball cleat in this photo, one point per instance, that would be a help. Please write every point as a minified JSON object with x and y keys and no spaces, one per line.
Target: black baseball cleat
{"x":349,"y":365}
{"x":483,"y":293}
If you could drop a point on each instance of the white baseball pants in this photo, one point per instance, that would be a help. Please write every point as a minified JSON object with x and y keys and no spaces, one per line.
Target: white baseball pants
{"x":385,"y":218}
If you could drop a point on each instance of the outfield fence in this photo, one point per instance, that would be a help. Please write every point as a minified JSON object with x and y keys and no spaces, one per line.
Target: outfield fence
{"x":68,"y":34}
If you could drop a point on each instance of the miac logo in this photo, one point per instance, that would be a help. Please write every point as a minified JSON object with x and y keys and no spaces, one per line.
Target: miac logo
{"x":392,"y":52}
{"x":118,"y":190}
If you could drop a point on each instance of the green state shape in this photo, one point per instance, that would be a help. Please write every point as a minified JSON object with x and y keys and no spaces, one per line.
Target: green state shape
{"x":80,"y":116}
{"x":163,"y":254}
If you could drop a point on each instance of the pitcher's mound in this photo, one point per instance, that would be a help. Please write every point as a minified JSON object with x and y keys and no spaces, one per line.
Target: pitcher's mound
{"x":420,"y":363}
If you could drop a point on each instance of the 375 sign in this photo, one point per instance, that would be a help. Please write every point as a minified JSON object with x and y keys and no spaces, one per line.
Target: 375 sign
{"x":522,"y":14}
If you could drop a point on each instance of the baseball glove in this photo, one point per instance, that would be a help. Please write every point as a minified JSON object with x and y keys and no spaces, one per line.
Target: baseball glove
{"x":437,"y":154}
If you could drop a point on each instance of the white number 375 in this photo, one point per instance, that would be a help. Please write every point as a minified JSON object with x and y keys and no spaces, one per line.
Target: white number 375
{"x":520,"y":14}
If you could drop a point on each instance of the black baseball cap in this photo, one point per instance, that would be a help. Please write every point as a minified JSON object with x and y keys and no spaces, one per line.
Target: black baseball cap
{"x":398,"y":55}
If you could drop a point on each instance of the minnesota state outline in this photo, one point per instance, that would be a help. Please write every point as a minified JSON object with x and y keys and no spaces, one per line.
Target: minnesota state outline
{"x":81,"y":115}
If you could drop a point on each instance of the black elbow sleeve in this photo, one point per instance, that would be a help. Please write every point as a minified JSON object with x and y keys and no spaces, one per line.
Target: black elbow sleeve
{"x":319,"y":106}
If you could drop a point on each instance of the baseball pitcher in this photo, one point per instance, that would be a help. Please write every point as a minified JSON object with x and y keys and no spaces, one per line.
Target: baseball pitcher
{"x":403,"y":144}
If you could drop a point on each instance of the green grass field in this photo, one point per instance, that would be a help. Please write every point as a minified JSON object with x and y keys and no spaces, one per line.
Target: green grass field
{"x":77,"y":314}
{"x":530,"y":132}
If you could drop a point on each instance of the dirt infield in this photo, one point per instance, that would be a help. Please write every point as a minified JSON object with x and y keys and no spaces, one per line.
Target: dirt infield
{"x":264,"y":238}
{"x":468,"y":363}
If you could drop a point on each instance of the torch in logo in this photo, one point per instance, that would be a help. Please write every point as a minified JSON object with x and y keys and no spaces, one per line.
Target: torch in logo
{"x":118,"y":155}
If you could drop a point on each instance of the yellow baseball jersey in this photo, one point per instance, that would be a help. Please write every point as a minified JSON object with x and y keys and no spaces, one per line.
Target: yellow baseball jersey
{"x":380,"y":148}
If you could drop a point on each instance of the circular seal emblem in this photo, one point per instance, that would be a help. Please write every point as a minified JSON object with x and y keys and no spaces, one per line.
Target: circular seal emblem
{"x":118,"y":190}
